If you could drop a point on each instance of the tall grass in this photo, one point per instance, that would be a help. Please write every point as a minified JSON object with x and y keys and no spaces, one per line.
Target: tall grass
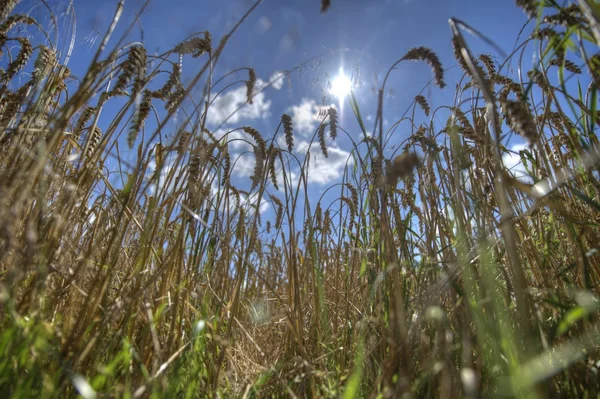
{"x":436,"y":271}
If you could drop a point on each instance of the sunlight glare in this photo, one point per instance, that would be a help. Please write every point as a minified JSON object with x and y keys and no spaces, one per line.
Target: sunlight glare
{"x":341,"y":85}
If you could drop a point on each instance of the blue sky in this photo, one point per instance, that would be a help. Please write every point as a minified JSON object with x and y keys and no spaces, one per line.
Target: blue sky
{"x":281,"y":34}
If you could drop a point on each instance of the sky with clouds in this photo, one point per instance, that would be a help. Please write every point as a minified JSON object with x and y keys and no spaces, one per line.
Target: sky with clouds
{"x":362,"y":38}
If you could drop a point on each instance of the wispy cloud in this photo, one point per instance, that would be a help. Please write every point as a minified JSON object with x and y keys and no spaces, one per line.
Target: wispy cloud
{"x":263,"y":25}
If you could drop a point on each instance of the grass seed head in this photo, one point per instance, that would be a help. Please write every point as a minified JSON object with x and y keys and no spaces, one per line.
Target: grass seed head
{"x":20,"y":61}
{"x":425,"y":54}
{"x":195,"y":46}
{"x":250,"y":85}
{"x":6,"y":7}
{"x":520,"y":120}
{"x":322,"y":142}
{"x":259,"y":165}
{"x":489,"y":64}
{"x":528,"y":6}
{"x":569,"y":65}
{"x":401,"y":166}
{"x":333,"y":122}
{"x":273,"y":152}
{"x":423,"y":104}
{"x":288,"y":129}
{"x":96,"y":137}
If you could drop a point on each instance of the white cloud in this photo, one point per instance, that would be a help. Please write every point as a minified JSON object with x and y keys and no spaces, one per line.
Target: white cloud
{"x":513,"y":163}
{"x":237,"y":139}
{"x":167,"y":169}
{"x":265,"y":206}
{"x":291,"y":176}
{"x":242,"y":165}
{"x":276,"y":80}
{"x":250,"y":201}
{"x":228,"y":102}
{"x":306,"y":116}
{"x":324,"y":170}
{"x":171,"y":174}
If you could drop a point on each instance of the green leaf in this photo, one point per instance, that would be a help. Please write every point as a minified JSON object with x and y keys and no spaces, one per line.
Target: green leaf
{"x":363,"y":267}
{"x":588,"y":304}
{"x":571,"y":317}
{"x":127,"y":187}
{"x":352,"y":389}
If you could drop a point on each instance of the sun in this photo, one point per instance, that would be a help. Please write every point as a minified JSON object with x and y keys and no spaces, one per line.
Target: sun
{"x":341,"y":85}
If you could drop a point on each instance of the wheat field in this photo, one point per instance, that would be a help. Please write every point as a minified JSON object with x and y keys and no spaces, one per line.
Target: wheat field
{"x":431,"y":271}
